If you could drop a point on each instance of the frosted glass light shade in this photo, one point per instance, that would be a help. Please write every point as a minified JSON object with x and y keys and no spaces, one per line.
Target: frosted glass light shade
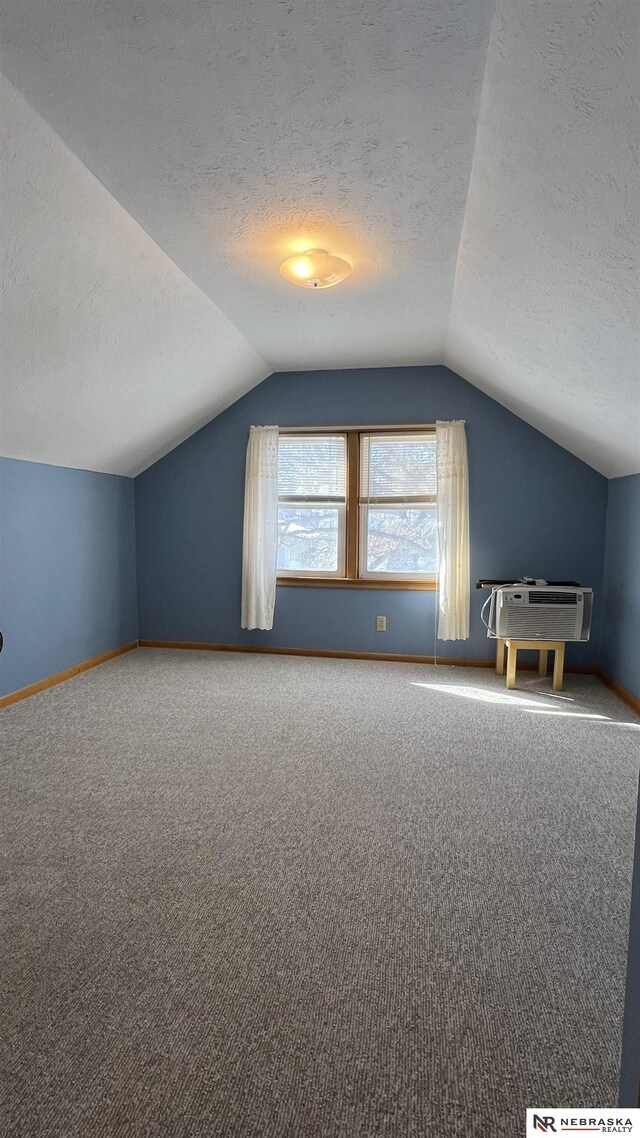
{"x":315,"y":269}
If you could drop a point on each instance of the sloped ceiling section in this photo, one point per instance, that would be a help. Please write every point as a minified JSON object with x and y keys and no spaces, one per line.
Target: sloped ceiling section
{"x":110,"y":354}
{"x":231,"y":130}
{"x":546,"y":305}
{"x":228,"y":128}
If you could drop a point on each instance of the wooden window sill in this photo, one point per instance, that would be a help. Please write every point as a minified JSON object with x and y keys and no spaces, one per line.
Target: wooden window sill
{"x":351,"y":583}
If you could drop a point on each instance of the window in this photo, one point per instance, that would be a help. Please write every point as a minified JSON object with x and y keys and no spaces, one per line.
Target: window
{"x":397,"y":499}
{"x":358,"y":508}
{"x":312,"y":505}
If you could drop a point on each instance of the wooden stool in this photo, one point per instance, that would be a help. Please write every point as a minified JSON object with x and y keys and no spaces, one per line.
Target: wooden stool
{"x":540,"y":646}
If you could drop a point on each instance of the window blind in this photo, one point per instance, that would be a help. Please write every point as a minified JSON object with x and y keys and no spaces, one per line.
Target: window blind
{"x":398,"y":467}
{"x":312,"y":467}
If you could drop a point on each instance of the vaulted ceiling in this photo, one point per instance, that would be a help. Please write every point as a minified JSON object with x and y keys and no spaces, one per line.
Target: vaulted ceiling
{"x":474,"y":161}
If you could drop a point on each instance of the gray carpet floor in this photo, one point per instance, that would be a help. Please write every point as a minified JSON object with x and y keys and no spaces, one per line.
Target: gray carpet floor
{"x":286,"y":897}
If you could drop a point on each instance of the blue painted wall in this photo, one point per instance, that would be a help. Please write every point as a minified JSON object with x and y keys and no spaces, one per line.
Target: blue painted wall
{"x":629,"y":1094}
{"x":67,"y":568}
{"x":620,"y":646}
{"x":535,"y":509}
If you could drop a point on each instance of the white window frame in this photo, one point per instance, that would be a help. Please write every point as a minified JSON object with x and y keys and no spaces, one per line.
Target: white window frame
{"x":293,"y":502}
{"x":425,"y":501}
{"x":386,"y":574}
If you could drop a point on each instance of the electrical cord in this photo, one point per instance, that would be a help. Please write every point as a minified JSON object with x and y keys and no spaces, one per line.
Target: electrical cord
{"x":487,"y":602}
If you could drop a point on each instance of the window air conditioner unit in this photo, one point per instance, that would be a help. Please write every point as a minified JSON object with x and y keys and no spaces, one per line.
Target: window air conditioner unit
{"x":540,"y":612}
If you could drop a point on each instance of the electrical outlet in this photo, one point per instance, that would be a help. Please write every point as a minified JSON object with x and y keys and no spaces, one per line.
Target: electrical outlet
{"x":381,"y":624}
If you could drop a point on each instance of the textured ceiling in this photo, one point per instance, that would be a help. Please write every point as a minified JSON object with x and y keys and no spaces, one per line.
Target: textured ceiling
{"x":110,"y":354}
{"x":546,"y":305}
{"x":232,"y":130}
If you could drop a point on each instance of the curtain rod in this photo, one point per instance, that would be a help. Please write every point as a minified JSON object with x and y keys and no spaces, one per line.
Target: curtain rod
{"x":307,"y":430}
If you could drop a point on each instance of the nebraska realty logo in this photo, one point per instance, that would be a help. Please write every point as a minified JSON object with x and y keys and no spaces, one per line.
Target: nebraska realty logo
{"x":541,"y":1120}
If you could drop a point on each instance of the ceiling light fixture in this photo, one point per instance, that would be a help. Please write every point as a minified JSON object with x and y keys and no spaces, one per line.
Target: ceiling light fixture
{"x":315,"y":268}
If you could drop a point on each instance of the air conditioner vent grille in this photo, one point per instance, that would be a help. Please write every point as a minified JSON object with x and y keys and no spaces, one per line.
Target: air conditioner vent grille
{"x":550,"y":598}
{"x":548,"y":624}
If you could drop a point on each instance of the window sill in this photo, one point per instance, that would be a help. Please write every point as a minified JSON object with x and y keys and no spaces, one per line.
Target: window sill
{"x":350,"y":583}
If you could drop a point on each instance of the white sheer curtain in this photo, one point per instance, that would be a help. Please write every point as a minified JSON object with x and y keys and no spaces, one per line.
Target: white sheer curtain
{"x":260,"y":534}
{"x":452,"y":476}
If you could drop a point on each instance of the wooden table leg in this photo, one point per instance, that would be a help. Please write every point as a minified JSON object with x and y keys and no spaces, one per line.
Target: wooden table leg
{"x":558,"y":668}
{"x":512,"y":663}
{"x":500,"y":657}
{"x":542,"y":662}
